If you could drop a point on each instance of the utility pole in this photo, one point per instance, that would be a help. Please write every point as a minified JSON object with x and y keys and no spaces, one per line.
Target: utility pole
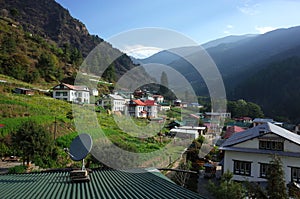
{"x":55,"y":128}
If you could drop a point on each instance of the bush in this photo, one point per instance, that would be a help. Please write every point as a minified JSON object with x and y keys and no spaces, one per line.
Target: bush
{"x":17,"y":169}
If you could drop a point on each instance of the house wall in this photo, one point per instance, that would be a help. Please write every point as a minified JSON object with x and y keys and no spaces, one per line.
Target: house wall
{"x":256,"y":159}
{"x":152,"y":110}
{"x":138,"y":110}
{"x":254,"y":144}
{"x":118,"y":105}
{"x":72,"y":95}
{"x":63,"y":95}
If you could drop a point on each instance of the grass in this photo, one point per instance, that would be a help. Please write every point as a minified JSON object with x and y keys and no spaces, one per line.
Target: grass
{"x":16,"y":108}
{"x":138,"y":135}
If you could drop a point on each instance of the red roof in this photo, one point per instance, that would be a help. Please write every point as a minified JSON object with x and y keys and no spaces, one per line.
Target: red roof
{"x":72,"y":87}
{"x":139,"y":102}
{"x":243,"y":118}
{"x":149,"y":103}
{"x":232,"y":130}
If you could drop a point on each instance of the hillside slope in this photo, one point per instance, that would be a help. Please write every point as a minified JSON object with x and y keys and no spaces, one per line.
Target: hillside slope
{"x":52,"y":25}
{"x":275,"y":88}
{"x":246,"y":59}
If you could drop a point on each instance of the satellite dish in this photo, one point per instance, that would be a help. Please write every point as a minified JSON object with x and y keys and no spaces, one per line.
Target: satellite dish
{"x":80,"y":147}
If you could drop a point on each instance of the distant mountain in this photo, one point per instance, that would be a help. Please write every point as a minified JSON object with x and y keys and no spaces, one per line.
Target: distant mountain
{"x":167,"y":57}
{"x":275,"y":88}
{"x":239,"y":60}
{"x":51,"y":23}
{"x":228,"y":39}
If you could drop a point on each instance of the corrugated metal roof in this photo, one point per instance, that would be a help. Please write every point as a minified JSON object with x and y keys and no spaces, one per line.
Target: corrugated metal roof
{"x":102,"y":184}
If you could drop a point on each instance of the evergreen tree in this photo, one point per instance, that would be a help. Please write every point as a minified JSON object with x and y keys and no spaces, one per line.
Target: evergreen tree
{"x":110,"y":73}
{"x":227,"y":189}
{"x":163,"y":89}
{"x":275,"y":175}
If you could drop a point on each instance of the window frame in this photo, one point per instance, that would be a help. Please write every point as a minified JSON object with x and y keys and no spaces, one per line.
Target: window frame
{"x":261,"y":173}
{"x":242,"y":168}
{"x":297,"y":179}
{"x":271,"y":145}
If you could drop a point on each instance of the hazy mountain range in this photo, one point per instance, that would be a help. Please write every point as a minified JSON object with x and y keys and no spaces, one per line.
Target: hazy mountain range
{"x":249,"y":61}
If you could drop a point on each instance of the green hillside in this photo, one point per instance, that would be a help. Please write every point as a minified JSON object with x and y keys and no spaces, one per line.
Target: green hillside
{"x":16,"y":108}
{"x":56,"y":116}
{"x":33,"y":59}
{"x":275,"y":89}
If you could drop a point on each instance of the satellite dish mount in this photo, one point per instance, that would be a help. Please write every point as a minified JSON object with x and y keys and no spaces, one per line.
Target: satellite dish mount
{"x":80,"y":147}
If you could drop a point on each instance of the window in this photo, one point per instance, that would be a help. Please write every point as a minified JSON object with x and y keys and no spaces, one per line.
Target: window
{"x":242,"y":168}
{"x":295,"y":174}
{"x":263,"y":170}
{"x":65,"y":94}
{"x":271,"y":145}
{"x":57,"y":94}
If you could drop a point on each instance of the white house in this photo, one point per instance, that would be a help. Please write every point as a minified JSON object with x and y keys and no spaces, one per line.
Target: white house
{"x":191,"y":132}
{"x":247,"y":154}
{"x":158,"y":98}
{"x":117,"y":102}
{"x":94,"y":92}
{"x":71,"y":93}
{"x":141,"y":109}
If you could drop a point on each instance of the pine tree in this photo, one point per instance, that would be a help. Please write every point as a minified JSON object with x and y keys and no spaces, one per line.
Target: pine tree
{"x":227,"y":189}
{"x":275,"y":175}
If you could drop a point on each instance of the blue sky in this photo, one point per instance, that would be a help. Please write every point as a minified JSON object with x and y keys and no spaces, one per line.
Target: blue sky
{"x":200,"y":20}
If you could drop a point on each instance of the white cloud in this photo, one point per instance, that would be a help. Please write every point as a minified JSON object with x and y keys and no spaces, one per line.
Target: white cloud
{"x":140,"y":51}
{"x":228,"y":29}
{"x":249,"y":9}
{"x":264,"y":29}
{"x":229,"y":26}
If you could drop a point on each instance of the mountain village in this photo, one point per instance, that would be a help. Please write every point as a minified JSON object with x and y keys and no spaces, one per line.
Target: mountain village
{"x":61,"y":138}
{"x":246,"y":145}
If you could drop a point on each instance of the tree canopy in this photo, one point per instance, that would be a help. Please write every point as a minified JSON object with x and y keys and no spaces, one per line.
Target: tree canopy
{"x":241,"y":108}
{"x":33,"y":141}
{"x":228,"y":189}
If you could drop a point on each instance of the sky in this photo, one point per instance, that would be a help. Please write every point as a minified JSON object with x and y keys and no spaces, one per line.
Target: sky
{"x":200,"y":20}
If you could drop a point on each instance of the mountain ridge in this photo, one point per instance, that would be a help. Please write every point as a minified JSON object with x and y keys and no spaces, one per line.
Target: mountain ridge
{"x":238,"y":61}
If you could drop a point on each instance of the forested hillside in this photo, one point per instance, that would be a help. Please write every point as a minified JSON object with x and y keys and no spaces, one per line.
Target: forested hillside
{"x":41,"y":42}
{"x":275,"y":88}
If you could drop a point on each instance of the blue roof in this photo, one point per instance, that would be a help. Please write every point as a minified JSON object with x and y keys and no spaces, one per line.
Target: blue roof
{"x":103,"y":184}
{"x":255,"y":132}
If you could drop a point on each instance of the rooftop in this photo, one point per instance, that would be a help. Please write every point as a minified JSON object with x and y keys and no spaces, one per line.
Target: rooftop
{"x":140,"y":183}
{"x":255,"y":132}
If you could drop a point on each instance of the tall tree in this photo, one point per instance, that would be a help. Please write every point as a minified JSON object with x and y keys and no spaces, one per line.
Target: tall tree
{"x":164,"y":83}
{"x":275,"y":175}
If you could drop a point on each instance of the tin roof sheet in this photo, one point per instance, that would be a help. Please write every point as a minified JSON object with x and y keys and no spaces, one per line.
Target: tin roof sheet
{"x":102,"y":184}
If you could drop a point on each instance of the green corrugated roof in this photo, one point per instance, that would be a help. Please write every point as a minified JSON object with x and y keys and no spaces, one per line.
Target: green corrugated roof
{"x":102,"y":184}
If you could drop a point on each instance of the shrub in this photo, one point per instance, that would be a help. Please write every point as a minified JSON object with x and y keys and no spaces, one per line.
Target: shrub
{"x":17,"y":169}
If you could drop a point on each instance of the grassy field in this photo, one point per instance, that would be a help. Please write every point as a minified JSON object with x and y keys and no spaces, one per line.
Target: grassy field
{"x":138,"y":137}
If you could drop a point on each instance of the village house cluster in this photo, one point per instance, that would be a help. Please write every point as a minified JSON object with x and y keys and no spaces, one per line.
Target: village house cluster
{"x":246,"y":144}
